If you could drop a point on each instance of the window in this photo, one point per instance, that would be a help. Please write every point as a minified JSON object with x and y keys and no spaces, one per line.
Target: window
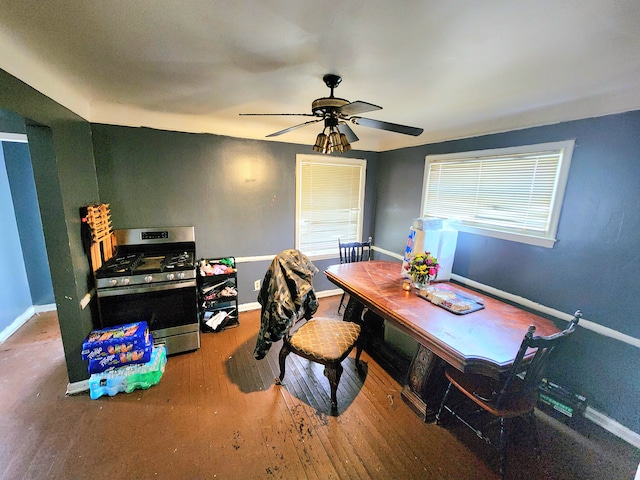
{"x":329,"y":203}
{"x":510,"y":193}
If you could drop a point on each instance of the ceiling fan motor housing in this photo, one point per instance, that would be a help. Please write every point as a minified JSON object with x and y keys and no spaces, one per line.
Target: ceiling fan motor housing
{"x":327,"y":105}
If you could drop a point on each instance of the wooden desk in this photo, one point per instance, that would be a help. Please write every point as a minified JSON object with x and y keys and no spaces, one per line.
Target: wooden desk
{"x":485,"y":341}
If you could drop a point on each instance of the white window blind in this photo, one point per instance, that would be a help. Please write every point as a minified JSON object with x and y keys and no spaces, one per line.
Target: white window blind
{"x":330,"y":199}
{"x":514,"y":191}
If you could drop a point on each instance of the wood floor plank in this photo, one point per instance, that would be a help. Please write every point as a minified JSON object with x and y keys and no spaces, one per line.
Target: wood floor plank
{"x":216,"y":413}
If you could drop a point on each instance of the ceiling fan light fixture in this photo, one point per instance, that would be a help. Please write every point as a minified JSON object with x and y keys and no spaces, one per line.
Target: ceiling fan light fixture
{"x":335,"y":142}
{"x":322,"y":143}
{"x":346,"y":146}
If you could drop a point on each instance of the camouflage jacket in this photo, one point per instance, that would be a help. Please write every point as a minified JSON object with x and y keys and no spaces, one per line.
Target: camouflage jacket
{"x":286,"y":293}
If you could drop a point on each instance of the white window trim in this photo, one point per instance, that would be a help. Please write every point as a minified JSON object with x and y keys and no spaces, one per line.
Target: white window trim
{"x":13,"y":137}
{"x":340,"y":161}
{"x":548,"y":240}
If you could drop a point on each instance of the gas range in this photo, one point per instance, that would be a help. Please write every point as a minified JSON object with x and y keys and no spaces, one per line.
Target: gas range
{"x":146,"y":268}
{"x":152,"y":278}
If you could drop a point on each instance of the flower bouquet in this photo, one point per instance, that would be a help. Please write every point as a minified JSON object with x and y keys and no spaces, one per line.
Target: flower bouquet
{"x":422,"y":268}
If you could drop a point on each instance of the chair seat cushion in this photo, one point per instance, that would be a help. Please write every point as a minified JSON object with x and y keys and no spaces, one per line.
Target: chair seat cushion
{"x":325,"y":338}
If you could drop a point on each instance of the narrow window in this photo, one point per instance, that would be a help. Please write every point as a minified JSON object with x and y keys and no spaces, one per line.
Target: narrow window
{"x":329,"y":203}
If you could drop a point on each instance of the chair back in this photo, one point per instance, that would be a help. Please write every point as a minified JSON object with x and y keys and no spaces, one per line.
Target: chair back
{"x":286,"y":291}
{"x":303,"y":315}
{"x":531,"y":373}
{"x":355,"y":251}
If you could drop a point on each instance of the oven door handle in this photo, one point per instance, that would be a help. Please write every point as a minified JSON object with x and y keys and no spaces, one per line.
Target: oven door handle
{"x":135,"y":289}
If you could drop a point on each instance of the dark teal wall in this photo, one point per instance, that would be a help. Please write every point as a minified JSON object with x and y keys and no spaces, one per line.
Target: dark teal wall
{"x":239,"y":194}
{"x":64,"y":173}
{"x":593,"y":266}
{"x":11,"y":122}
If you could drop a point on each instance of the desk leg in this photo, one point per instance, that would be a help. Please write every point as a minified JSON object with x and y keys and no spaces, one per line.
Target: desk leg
{"x":425,"y":383}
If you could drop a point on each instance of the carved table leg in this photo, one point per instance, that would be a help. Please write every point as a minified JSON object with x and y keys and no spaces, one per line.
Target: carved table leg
{"x":425,"y":382}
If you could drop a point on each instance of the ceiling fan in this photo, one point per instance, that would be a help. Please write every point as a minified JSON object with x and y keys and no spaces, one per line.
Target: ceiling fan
{"x":336,"y":113}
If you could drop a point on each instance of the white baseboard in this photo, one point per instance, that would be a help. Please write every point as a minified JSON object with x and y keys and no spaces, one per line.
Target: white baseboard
{"x":78,"y":387}
{"x":49,"y":307}
{"x":246,"y":307}
{"x":329,"y":293}
{"x":23,"y":318}
{"x":388,"y":253}
{"x":16,"y":324}
{"x":613,"y":427}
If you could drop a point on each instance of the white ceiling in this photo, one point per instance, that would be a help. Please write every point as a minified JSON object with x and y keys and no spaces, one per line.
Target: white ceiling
{"x":456,"y":68}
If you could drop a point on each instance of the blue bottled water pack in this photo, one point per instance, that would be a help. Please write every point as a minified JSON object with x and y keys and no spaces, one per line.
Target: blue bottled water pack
{"x":131,"y":377}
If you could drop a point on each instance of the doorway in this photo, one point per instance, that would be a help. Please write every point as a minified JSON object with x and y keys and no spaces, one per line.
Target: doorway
{"x":25,"y":278}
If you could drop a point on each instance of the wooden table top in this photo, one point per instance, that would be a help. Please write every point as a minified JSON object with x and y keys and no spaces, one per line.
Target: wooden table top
{"x":484,"y":341}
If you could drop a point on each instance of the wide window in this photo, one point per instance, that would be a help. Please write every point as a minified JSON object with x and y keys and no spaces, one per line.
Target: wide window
{"x":329,"y":203}
{"x":511,"y":193}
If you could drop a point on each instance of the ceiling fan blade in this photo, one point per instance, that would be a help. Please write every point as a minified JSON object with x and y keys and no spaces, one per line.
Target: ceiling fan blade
{"x":350,"y":134}
{"x":277,"y":114}
{"x":286,"y":130}
{"x":357,"y":107}
{"x":392,"y":127}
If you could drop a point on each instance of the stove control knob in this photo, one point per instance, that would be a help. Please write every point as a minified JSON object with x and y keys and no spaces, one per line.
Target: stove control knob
{"x":126,"y":281}
{"x":181,"y":275}
{"x":148,"y":279}
{"x":170,"y":276}
{"x":113,"y":282}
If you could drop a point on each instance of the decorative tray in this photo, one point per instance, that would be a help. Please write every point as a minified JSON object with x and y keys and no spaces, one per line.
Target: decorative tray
{"x":451,"y":299}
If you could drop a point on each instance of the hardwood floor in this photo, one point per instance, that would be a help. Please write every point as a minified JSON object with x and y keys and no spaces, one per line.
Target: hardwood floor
{"x":217,"y":414}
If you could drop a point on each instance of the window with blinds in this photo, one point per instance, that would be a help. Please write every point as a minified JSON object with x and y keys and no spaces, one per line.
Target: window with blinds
{"x":512,"y":193}
{"x":329,"y":203}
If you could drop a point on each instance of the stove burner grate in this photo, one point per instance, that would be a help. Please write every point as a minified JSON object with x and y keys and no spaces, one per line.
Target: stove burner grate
{"x":178,"y":261}
{"x":121,"y":264}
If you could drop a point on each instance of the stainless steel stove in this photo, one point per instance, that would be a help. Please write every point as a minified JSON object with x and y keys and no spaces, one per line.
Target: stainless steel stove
{"x":152,"y":277}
